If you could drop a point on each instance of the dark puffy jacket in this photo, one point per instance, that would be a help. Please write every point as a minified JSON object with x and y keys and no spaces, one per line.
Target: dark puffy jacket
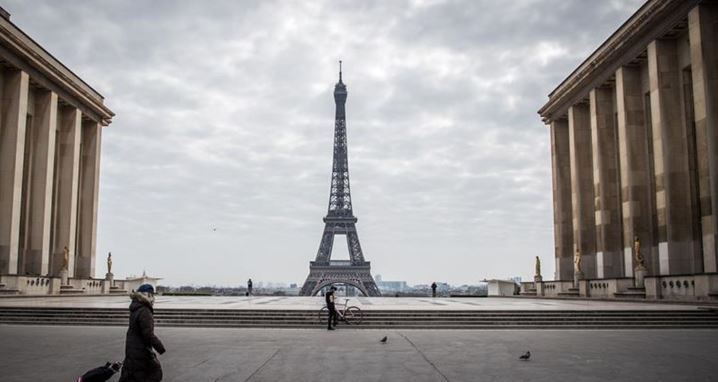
{"x":328,"y":298}
{"x":141,"y":363}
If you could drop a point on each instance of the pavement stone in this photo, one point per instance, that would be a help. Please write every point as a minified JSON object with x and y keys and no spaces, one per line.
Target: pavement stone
{"x":58,"y":353}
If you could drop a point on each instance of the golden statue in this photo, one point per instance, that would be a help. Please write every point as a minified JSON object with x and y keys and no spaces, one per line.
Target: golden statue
{"x":65,"y":258}
{"x":538,"y":266}
{"x":577,"y":261}
{"x":109,"y":262}
{"x":637,"y":251}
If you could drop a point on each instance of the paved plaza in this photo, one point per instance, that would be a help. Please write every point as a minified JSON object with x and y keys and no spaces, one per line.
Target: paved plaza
{"x":61,"y":353}
{"x":57,"y":353}
{"x":365,"y":303}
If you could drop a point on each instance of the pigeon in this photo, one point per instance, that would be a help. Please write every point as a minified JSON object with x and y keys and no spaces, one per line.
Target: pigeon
{"x":526,"y":356}
{"x":383,"y":340}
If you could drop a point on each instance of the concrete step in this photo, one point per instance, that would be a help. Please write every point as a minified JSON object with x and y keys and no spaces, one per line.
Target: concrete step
{"x":408,"y":315}
{"x":5,"y":291}
{"x":372,"y":311}
{"x":571,"y":292}
{"x":371,"y":319}
{"x":636,"y":293}
{"x":370,"y":314}
{"x":416,"y":325}
{"x":366,"y":317}
{"x":70,"y":290}
{"x":114,"y":290}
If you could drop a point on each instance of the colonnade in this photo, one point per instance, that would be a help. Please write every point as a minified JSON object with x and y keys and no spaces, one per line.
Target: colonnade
{"x":49,"y":178}
{"x":637,"y":156}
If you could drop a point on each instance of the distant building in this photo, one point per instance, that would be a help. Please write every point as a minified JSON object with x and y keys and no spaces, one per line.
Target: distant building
{"x":390,"y":286}
{"x":442,"y":287}
{"x":498,"y":288}
{"x":132,"y":283}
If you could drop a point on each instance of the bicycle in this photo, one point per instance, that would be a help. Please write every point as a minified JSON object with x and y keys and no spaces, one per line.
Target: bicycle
{"x":352,"y":315}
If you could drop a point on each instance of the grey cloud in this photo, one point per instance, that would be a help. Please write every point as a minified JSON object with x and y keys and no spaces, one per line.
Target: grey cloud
{"x":225,"y":118}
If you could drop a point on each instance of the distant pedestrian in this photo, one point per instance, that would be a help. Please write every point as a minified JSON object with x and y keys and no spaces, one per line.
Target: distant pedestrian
{"x":329,"y":297}
{"x":249,"y":287}
{"x":433,"y":289}
{"x":141,"y":363}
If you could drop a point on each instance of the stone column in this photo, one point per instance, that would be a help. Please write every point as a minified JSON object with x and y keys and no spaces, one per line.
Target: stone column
{"x":44,"y":125}
{"x":88,"y":197}
{"x":582,"y":195}
{"x":68,"y":169}
{"x":677,"y":250}
{"x":703,"y":34}
{"x":636,"y":190}
{"x":561,"y":171}
{"x":609,"y":257}
{"x":13,"y":117}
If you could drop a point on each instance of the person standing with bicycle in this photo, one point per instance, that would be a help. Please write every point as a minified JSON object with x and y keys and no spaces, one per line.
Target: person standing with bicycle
{"x":329,"y":297}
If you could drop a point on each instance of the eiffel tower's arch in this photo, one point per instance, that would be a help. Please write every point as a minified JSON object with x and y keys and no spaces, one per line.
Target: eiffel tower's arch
{"x":355,"y":283}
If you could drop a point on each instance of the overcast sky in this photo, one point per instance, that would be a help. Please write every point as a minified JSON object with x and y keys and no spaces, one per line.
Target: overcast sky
{"x":225,"y":119}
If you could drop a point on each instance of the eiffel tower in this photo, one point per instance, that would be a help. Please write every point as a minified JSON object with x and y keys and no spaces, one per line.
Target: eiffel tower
{"x":340,"y":220}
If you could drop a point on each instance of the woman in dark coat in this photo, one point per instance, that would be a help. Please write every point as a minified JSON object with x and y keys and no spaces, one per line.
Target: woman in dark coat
{"x":141,"y":363}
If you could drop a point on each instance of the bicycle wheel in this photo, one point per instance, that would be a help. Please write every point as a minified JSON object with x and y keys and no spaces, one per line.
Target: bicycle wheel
{"x":353,"y":315}
{"x":323,"y":315}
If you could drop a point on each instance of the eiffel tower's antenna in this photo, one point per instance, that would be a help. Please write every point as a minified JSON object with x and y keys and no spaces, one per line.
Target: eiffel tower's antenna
{"x":340,"y":70}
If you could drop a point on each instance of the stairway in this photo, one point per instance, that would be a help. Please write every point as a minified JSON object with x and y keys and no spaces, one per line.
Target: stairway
{"x":4,"y":290}
{"x":632,"y":293}
{"x":71,"y":290}
{"x":589,"y":319}
{"x":572,"y":292}
{"x":115,"y":290}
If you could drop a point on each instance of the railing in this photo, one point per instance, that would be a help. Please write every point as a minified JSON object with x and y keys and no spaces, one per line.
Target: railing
{"x":338,"y":263}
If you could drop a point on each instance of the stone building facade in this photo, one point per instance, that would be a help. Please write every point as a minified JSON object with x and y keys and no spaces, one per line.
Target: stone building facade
{"x":51,"y":125}
{"x":634,"y":149}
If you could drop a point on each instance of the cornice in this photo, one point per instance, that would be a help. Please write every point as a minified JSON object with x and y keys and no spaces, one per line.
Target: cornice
{"x":32,"y":54}
{"x":648,"y":23}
